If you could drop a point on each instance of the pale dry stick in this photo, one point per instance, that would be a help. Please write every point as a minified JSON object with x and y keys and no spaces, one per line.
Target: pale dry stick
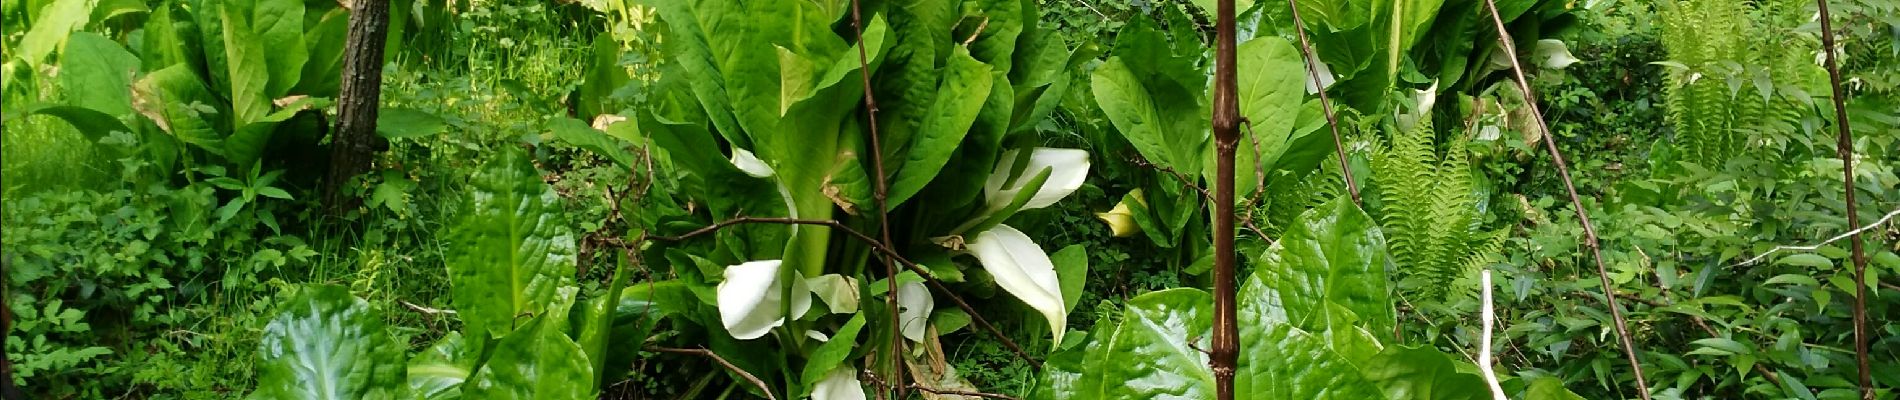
{"x":1484,"y":348}
{"x":1817,"y":246}
{"x":963,"y":393}
{"x":883,"y":190}
{"x":1576,"y":201}
{"x":1325,"y":104}
{"x":722,"y":361}
{"x":1844,"y":146}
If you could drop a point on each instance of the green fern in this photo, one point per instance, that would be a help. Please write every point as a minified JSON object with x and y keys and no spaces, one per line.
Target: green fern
{"x":1728,"y":50}
{"x":1432,"y":213}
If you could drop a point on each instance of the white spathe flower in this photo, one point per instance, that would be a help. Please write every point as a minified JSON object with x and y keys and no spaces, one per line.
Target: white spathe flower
{"x":750,"y":299}
{"x":1067,"y":169}
{"x":914,"y":305}
{"x":1023,"y":270}
{"x":839,"y":384}
{"x":1326,"y":78}
{"x":750,"y":163}
{"x":1554,"y":54}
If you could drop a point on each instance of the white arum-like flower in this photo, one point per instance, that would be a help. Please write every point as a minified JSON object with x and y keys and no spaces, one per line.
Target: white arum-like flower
{"x":839,"y":384}
{"x":750,"y":299}
{"x":1023,"y":270}
{"x":1121,"y":220}
{"x":1326,"y":78}
{"x":750,"y":163}
{"x":1553,"y":53}
{"x":914,"y":305}
{"x":1067,"y":169}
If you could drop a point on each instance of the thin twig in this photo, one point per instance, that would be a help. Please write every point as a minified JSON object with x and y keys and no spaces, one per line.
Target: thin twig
{"x":883,"y":191}
{"x":1484,"y":348}
{"x":980,"y":26}
{"x":1583,"y":216}
{"x":1325,"y":104}
{"x":1817,"y":246}
{"x":1189,"y":183}
{"x":425,"y":310}
{"x":929,"y":278}
{"x":722,"y":361}
{"x":1845,"y":147}
{"x":961,"y":392}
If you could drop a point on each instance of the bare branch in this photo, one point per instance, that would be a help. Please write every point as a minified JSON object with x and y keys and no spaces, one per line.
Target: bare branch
{"x":1583,"y":216}
{"x":722,"y":361}
{"x":964,"y":393}
{"x":1883,"y":220}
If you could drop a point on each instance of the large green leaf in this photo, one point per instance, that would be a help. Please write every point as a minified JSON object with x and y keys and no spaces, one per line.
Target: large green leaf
{"x":1164,"y":121}
{"x":326,"y":344}
{"x":536,"y":362}
{"x":56,"y":21}
{"x":170,"y":39}
{"x":96,"y":73}
{"x":278,"y":26}
{"x":1154,"y":352}
{"x":180,"y":104}
{"x":323,"y":72}
{"x":438,"y":372}
{"x":577,"y":133}
{"x":248,"y":70}
{"x":510,"y":249}
{"x":1280,"y":361}
{"x":1423,"y":373}
{"x":1271,"y":84}
{"x":966,"y":85}
{"x":89,"y":122}
{"x":1326,"y":271}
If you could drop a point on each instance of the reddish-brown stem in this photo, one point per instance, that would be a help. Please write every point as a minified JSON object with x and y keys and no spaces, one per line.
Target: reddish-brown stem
{"x":1844,"y":146}
{"x":883,"y":190}
{"x":1325,"y":104}
{"x":1583,"y":216}
{"x":880,"y":248}
{"x":1226,"y":340}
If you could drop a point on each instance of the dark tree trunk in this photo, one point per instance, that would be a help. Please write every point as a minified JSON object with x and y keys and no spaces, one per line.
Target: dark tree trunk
{"x":354,"y":142}
{"x":1226,"y":346}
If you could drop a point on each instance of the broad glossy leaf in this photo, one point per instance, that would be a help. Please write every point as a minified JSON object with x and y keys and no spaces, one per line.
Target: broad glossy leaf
{"x":278,"y":26}
{"x":965,"y":86}
{"x":50,"y":29}
{"x":170,"y":38}
{"x":437,"y":373}
{"x":96,"y":73}
{"x":1422,"y":373}
{"x":180,"y":104}
{"x":1151,"y":356}
{"x":323,"y":73}
{"x":579,"y":134}
{"x":604,"y":75}
{"x":833,"y":353}
{"x":1326,"y":271}
{"x":87,"y":121}
{"x":510,"y":249}
{"x":1282,"y":362}
{"x":1549,"y":388}
{"x":1072,"y":270}
{"x":1270,"y":91}
{"x":1162,"y":119}
{"x":326,"y":344}
{"x":537,"y":362}
{"x":249,"y":73}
